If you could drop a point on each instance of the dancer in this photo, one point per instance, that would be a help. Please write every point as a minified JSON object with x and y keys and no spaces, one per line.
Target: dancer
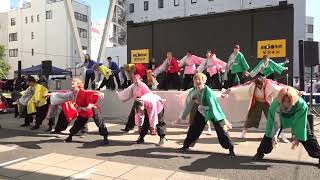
{"x":142,"y":71}
{"x":208,"y":110}
{"x":107,"y":76}
{"x":290,"y":111}
{"x":190,"y":63}
{"x":267,"y":67}
{"x":261,"y":93}
{"x":90,"y":76}
{"x":171,"y":77}
{"x":214,"y":67}
{"x":149,"y":114}
{"x":236,"y":68}
{"x":87,"y":102}
{"x":115,"y":70}
{"x":134,"y":91}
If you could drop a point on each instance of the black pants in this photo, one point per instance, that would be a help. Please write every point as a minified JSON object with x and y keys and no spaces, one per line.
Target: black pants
{"x":232,"y":77}
{"x":109,"y":83}
{"x":311,"y":145}
{"x":161,"y":126}
{"x":130,"y":123}
{"x":196,"y":128}
{"x":214,"y":81}
{"x":81,"y":122}
{"x":41,"y":114}
{"x":89,"y":77}
{"x":187,"y":81}
{"x":271,"y":76}
{"x":116,"y":75}
{"x":171,"y":80}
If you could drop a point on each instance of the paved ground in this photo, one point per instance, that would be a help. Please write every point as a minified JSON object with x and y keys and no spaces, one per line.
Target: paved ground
{"x":26,"y":154}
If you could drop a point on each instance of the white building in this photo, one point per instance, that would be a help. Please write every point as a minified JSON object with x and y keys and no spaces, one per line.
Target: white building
{"x":309,"y":28}
{"x":39,"y":30}
{"x":4,"y":31}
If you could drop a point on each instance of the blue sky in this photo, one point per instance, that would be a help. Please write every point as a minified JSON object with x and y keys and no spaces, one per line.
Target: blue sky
{"x":99,"y":10}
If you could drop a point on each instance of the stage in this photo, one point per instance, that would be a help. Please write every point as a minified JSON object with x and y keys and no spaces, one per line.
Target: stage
{"x":235,"y":110}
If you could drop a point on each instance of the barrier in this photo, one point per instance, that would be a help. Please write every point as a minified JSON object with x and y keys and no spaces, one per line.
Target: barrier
{"x":235,"y":110}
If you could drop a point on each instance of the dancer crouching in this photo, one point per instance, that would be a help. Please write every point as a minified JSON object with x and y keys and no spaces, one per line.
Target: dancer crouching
{"x":149,"y":114}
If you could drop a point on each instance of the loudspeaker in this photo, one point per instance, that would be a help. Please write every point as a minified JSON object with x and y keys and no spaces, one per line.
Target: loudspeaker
{"x":46,"y":68}
{"x":311,"y":53}
{"x":19,"y":69}
{"x":283,"y":4}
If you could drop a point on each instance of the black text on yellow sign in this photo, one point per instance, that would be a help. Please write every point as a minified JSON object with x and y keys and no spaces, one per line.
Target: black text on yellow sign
{"x":273,"y":48}
{"x":140,"y":56}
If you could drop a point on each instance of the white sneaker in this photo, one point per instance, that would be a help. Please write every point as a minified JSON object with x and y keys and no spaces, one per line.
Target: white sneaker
{"x":284,"y":138}
{"x":187,"y":130}
{"x":243,"y":135}
{"x":209,"y":131}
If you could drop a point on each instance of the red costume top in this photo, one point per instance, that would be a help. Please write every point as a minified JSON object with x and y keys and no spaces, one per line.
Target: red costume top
{"x":141,"y":69}
{"x":173,"y":66}
{"x":83,"y":98}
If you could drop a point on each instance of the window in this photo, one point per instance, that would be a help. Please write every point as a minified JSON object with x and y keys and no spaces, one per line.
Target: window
{"x":31,"y":19}
{"x":13,"y":37}
{"x":32,"y":35}
{"x":131,"y":8}
{"x":310,"y":28}
{"x":146,"y":6}
{"x":310,"y":39}
{"x":13,"y":52}
{"x":176,"y":2}
{"x":38,"y":18}
{"x":48,"y":14}
{"x":193,"y":1}
{"x":83,"y":33}
{"x":160,"y":3}
{"x":26,"y":20}
{"x":81,"y":17}
{"x":84,"y":48}
{"x":32,"y":52}
{"x":13,"y":21}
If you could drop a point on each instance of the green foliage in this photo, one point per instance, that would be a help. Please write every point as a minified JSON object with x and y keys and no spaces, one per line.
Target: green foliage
{"x":4,"y":66}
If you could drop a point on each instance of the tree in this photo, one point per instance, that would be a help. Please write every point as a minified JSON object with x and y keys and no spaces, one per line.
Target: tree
{"x":4,"y":66}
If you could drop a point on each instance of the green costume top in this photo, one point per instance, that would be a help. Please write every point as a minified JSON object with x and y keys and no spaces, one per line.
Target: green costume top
{"x":206,"y":98}
{"x":296,"y":119}
{"x":240,"y":64}
{"x":268,"y":69}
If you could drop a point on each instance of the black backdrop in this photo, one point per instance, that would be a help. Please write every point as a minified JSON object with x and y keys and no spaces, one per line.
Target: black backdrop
{"x":217,"y":31}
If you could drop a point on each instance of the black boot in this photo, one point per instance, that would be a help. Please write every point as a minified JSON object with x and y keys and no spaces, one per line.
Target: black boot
{"x":25,"y":125}
{"x":139,"y":141}
{"x":55,"y":132}
{"x":184,"y":149}
{"x":105,"y":140}
{"x":232,"y":155}
{"x":69,"y":139}
{"x":124,"y":130}
{"x":258,"y":156}
{"x":35,"y":127}
{"x":49,"y":129}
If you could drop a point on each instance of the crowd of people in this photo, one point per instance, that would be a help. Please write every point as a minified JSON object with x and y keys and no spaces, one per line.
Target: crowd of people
{"x":283,"y":105}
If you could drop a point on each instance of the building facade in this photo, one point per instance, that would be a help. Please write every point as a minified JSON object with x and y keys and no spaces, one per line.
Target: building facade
{"x":39,"y":30}
{"x":149,"y":11}
{"x":309,"y":28}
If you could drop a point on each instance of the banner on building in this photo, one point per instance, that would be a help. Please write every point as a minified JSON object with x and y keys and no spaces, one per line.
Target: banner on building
{"x":273,"y":48}
{"x":140,"y":56}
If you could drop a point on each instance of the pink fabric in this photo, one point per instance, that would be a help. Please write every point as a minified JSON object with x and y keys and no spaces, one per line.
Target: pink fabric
{"x":153,"y":104}
{"x":190,"y":64}
{"x":216,"y":65}
{"x":140,"y":89}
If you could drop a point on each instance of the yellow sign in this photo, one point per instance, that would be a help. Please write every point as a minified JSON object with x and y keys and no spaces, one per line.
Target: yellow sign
{"x":140,"y":56}
{"x":273,"y":48}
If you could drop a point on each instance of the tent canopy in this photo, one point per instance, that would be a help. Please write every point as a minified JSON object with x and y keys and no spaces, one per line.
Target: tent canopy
{"x":36,"y":70}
